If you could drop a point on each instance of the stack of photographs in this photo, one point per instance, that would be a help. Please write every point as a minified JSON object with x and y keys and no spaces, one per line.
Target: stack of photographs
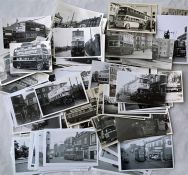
{"x":89,"y":93}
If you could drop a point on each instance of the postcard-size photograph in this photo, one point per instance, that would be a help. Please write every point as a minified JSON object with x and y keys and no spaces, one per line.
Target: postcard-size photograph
{"x":128,"y":45}
{"x":58,"y":96}
{"x":26,"y":29}
{"x":69,"y":148}
{"x":6,"y":77}
{"x":157,"y":125}
{"x":106,"y":129}
{"x":140,"y":18}
{"x":25,"y":82}
{"x":69,"y":16}
{"x":141,"y":88}
{"x":25,"y":107}
{"x":148,"y":153}
{"x":83,"y":113}
{"x":167,"y":29}
{"x":99,"y":73}
{"x":30,"y":57}
{"x":20,"y":150}
{"x":174,"y":87}
{"x":77,"y":42}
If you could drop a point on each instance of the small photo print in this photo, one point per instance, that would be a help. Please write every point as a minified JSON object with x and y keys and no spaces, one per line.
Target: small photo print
{"x":26,"y":29}
{"x":6,"y":77}
{"x":25,"y":107}
{"x":71,"y":147}
{"x":30,"y":57}
{"x":77,"y":42}
{"x":83,"y":113}
{"x":174,"y":87}
{"x":174,"y":11}
{"x":141,"y":88}
{"x":61,"y":95}
{"x":21,"y":146}
{"x":128,"y":45}
{"x":106,"y":129}
{"x":148,"y":153}
{"x":68,"y":16}
{"x":99,"y":73}
{"x":156,"y":125}
{"x":166,"y":29}
{"x":140,"y":18}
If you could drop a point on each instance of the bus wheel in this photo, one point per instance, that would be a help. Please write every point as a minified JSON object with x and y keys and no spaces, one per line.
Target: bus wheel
{"x":127,"y":26}
{"x":39,"y":66}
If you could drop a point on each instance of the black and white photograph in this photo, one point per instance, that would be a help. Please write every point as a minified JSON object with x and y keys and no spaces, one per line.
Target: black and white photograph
{"x":30,"y":57}
{"x":49,"y":123}
{"x":114,"y":68}
{"x":140,"y":18}
{"x":157,"y":125}
{"x":128,"y":45}
{"x":84,"y":71}
{"x":25,"y":107}
{"x":83,"y":113}
{"x":167,"y":29}
{"x":21,"y":146}
{"x":174,"y":11}
{"x":100,"y":100}
{"x":148,"y":153}
{"x":26,"y":29}
{"x":99,"y":73}
{"x":68,"y":16}
{"x":141,"y":88}
{"x":25,"y":82}
{"x":61,"y":95}
{"x":6,"y":77}
{"x":77,"y":42}
{"x":110,"y":106}
{"x":106,"y":129}
{"x":162,"y":54}
{"x":73,"y":148}
{"x":174,"y":87}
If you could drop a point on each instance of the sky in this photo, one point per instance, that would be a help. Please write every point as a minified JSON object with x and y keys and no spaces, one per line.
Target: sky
{"x":172,"y":23}
{"x":66,"y":11}
{"x":46,"y":20}
{"x":123,"y":78}
{"x":63,"y":36}
{"x":23,"y":140}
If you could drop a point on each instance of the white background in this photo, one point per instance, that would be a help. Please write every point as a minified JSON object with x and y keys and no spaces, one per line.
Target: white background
{"x":179,"y":112}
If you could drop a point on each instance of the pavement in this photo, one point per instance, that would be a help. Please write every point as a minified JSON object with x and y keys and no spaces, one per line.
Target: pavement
{"x":21,"y":165}
{"x":147,"y":54}
{"x":62,"y":160}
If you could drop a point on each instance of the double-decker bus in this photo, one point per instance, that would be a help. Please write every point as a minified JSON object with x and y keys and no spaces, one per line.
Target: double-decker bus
{"x":179,"y":48}
{"x":24,"y":31}
{"x":73,"y":155}
{"x":128,"y":17}
{"x":119,"y":44}
{"x":31,"y":55}
{"x":77,"y":44}
{"x":140,"y":154}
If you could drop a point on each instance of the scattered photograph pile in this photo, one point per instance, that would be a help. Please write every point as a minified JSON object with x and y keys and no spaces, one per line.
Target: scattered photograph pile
{"x":89,"y":93}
